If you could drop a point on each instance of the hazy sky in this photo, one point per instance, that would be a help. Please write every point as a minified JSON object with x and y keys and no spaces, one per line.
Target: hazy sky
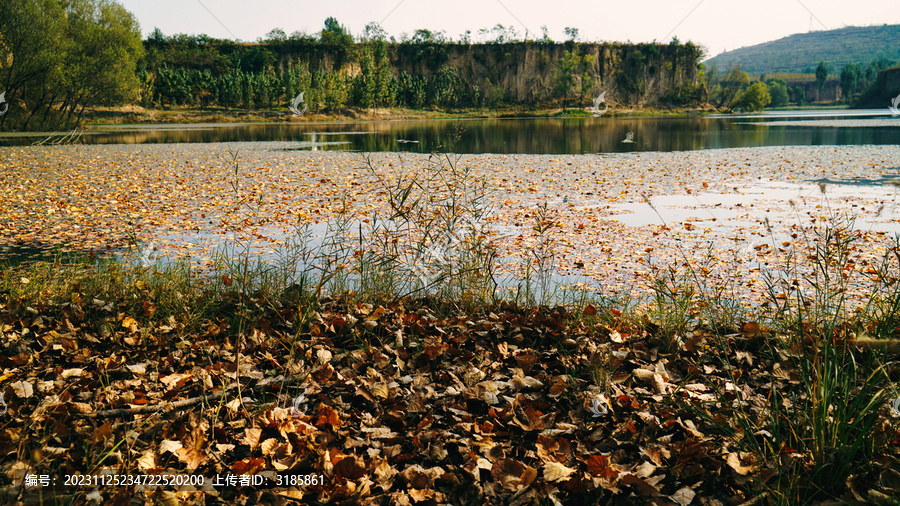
{"x":718,"y":25}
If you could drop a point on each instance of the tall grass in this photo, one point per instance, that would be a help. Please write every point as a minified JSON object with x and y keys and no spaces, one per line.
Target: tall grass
{"x":809,"y":323}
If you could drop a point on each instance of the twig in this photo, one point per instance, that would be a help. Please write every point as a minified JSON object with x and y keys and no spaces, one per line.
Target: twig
{"x":185,"y":403}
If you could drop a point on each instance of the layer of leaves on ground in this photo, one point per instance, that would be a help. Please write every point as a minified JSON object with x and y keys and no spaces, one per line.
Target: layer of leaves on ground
{"x":415,"y":403}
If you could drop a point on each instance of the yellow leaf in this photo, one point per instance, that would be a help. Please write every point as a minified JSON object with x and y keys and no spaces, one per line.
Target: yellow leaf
{"x":554,"y":471}
{"x":130,"y":324}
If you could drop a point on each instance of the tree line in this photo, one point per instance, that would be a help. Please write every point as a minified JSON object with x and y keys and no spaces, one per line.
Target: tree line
{"x":733,"y":88}
{"x":230,"y":77}
{"x":200,"y":71}
{"x":59,"y":57}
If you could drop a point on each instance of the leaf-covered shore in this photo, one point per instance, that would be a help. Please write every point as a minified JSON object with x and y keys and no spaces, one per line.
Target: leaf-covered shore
{"x":415,"y":403}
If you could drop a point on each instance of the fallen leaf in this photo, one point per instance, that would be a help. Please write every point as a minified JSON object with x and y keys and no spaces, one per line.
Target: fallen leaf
{"x":554,"y":471}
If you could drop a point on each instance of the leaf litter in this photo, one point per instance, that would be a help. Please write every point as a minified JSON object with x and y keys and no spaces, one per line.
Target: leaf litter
{"x":508,"y":406}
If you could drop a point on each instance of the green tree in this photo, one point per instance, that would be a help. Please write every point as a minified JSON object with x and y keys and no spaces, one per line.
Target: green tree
{"x":585,"y":65}
{"x":821,"y":76}
{"x":156,"y":38}
{"x":850,"y":76}
{"x":565,"y":73}
{"x":364,"y":84}
{"x":30,"y":33}
{"x":872,"y":70}
{"x":755,"y":98}
{"x":335,"y":34}
{"x":798,"y":95}
{"x":275,"y":35}
{"x":425,"y":36}
{"x":731,"y":87}
{"x":779,"y":92}
{"x":382,"y":76}
{"x":571,"y":33}
{"x":338,"y":37}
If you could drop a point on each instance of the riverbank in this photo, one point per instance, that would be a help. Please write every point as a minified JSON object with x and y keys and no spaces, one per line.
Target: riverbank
{"x":137,"y":114}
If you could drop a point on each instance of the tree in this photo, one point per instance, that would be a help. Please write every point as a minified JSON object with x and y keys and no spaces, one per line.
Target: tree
{"x":373,"y":32}
{"x":821,"y":76}
{"x":338,"y":37}
{"x":731,"y":87}
{"x":499,"y":34}
{"x":571,"y":33}
{"x":779,"y":92}
{"x":425,"y":36}
{"x":850,"y":76}
{"x":572,"y":67}
{"x":59,"y":57}
{"x":545,"y":36}
{"x":565,"y":73}
{"x":30,"y":33}
{"x":585,"y":65}
{"x":755,"y":98}
{"x":301,"y":36}
{"x":275,"y":35}
{"x":156,"y":38}
{"x":798,"y":95}
{"x":382,"y":75}
{"x":335,"y":34}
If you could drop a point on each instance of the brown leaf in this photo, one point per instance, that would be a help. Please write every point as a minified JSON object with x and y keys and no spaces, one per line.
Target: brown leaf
{"x":642,"y":486}
{"x":148,"y":308}
{"x":147,"y":460}
{"x":350,"y":468}
{"x":251,"y":437}
{"x":323,"y":374}
{"x":22,"y":389}
{"x":384,"y":472}
{"x":600,"y":465}
{"x":734,"y":461}
{"x":328,"y":416}
{"x":249,"y":466}
{"x":417,"y":476}
{"x":750,"y":327}
{"x":509,"y":473}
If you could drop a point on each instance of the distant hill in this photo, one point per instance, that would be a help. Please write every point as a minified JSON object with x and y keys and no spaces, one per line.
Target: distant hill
{"x":797,"y":53}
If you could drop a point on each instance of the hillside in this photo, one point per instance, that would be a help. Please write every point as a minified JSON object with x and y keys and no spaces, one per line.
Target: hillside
{"x":799,"y":52}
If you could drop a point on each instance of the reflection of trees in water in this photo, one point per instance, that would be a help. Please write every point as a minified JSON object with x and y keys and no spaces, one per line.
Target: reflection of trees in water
{"x":542,"y":135}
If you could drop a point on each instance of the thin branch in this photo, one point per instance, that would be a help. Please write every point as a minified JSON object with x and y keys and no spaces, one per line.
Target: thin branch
{"x":185,"y":403}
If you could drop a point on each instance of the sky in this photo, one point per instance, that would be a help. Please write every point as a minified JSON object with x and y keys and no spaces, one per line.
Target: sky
{"x":717,"y":25}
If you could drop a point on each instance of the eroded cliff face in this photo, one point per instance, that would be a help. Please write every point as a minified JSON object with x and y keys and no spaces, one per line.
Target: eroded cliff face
{"x":529,"y":72}
{"x":629,"y":74}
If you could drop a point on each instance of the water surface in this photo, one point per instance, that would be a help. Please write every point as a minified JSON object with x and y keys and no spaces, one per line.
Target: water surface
{"x":605,"y":134}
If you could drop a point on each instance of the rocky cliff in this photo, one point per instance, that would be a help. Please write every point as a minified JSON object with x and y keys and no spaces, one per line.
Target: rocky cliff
{"x":529,"y":72}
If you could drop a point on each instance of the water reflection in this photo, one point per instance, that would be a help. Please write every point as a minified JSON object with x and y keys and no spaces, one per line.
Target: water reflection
{"x":524,"y":135}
